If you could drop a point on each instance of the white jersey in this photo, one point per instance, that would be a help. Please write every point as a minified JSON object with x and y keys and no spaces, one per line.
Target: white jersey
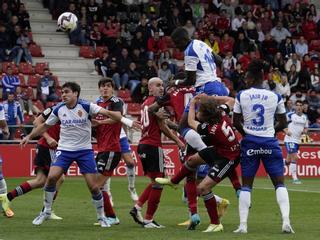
{"x":258,"y":108}
{"x":2,"y":114}
{"x":75,"y":125}
{"x":296,"y":127}
{"x":122,"y":133}
{"x":198,"y":57}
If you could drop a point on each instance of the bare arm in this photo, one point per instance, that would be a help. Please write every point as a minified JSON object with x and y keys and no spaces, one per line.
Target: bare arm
{"x":190,"y":80}
{"x":221,"y":100}
{"x":281,"y":123}
{"x":40,"y":129}
{"x":51,"y":141}
{"x":192,"y":122}
{"x":237,"y":123}
{"x":172,"y":125}
{"x":165,"y":129}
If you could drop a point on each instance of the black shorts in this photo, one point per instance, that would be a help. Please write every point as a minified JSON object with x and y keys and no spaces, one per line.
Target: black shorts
{"x":220,"y":166}
{"x":44,"y":157}
{"x":152,"y":158}
{"x":107,"y":162}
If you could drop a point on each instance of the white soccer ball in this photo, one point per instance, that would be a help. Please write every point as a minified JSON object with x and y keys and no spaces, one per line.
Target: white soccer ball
{"x":67,"y":21}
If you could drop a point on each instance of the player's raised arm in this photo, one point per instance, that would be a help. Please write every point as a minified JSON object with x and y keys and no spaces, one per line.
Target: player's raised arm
{"x":193,"y":123}
{"x":37,"y":131}
{"x":165,"y":129}
{"x":229,"y":101}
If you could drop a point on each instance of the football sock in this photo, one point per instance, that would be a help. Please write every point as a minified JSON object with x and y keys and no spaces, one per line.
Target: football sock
{"x":244,"y":205}
{"x":184,"y":171}
{"x":144,"y":196}
{"x":211,"y":205}
{"x":293,"y":170}
{"x":194,"y":140}
{"x":97,"y":201}
{"x":19,"y":190}
{"x":108,"y":210}
{"x":218,"y":199}
{"x":131,"y":176}
{"x":191,"y":190}
{"x":153,"y":201}
{"x":283,"y":201}
{"x":3,"y":186}
{"x":49,"y":193}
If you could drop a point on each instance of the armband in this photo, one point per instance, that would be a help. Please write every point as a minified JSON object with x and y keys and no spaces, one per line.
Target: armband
{"x":176,"y":82}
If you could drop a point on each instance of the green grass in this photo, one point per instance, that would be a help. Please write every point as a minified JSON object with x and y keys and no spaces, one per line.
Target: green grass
{"x":74,"y":205}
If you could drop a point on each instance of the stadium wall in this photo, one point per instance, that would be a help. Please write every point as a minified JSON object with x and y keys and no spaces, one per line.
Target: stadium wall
{"x":18,"y":162}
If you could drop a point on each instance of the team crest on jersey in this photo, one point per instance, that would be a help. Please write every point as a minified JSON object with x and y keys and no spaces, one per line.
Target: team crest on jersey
{"x":80,"y":113}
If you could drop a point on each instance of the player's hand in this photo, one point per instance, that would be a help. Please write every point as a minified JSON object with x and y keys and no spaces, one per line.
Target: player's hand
{"x":25,"y":141}
{"x":95,"y":123}
{"x":162,"y":114}
{"x":51,"y":142}
{"x":137,"y":125}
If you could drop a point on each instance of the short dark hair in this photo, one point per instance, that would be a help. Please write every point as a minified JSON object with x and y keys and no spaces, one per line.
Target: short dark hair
{"x":255,"y":71}
{"x":179,"y":34}
{"x":75,"y":87}
{"x":299,"y":101}
{"x":210,"y":110}
{"x":103,"y":81}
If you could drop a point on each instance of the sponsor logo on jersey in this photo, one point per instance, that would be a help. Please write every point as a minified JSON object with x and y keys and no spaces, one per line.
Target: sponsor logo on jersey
{"x":251,"y":152}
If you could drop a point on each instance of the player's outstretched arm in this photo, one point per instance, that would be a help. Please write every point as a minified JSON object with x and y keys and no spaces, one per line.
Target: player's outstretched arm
{"x":51,"y":141}
{"x":221,"y":100}
{"x":37,"y":131}
{"x":192,"y":122}
{"x":189,"y":80}
{"x":238,"y":123}
{"x":165,"y":129}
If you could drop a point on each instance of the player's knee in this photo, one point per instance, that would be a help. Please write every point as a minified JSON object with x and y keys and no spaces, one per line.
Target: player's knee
{"x":52,"y":180}
{"x":202,"y":190}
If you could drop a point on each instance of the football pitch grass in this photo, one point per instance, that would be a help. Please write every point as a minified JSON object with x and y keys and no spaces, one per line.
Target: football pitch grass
{"x":74,"y":205}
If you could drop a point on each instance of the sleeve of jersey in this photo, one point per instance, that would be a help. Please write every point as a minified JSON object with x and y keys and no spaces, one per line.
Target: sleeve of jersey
{"x":203,"y":129}
{"x":94,"y":109}
{"x":52,"y":119}
{"x":281,"y":108}
{"x":191,"y":63}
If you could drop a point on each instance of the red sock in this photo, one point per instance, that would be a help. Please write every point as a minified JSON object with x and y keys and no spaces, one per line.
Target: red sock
{"x":233,"y":176}
{"x":145,"y":195}
{"x":153,"y":202}
{"x":181,"y":174}
{"x":191,"y":189}
{"x":18,"y":191}
{"x":211,"y":205}
{"x":108,"y":210}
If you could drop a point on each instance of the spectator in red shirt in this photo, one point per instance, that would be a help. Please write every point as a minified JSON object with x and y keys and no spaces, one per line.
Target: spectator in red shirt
{"x":226,"y":44}
{"x":156,"y":46}
{"x":266,"y":22}
{"x":223,"y":22}
{"x":269,"y":47}
{"x":95,"y":36}
{"x":309,"y":28}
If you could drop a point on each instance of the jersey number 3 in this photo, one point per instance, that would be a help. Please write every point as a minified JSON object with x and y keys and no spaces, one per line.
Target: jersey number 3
{"x":259,"y":120}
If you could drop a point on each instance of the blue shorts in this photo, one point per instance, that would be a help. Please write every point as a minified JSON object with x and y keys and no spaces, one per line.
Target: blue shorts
{"x":84,"y":159}
{"x":214,"y":88}
{"x":125,"y":146}
{"x":291,"y":147}
{"x":254,"y":149}
{"x":203,"y":170}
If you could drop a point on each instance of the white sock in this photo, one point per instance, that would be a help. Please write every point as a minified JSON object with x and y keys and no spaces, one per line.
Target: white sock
{"x":293,"y":170}
{"x":284,"y":204}
{"x":218,"y":199}
{"x":3,"y":186}
{"x":48,"y":200}
{"x":244,"y":204}
{"x":131,"y":176}
{"x":106,"y":186}
{"x":98,"y":204}
{"x":194,"y":140}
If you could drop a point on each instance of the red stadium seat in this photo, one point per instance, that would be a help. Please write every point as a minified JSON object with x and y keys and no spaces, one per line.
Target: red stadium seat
{"x":30,"y":93}
{"x":134,"y":109}
{"x":22,"y":80}
{"x":33,"y":80}
{"x":39,"y":68}
{"x":38,"y":104}
{"x":86,"y":52}
{"x":50,"y":104}
{"x":35,"y":50}
{"x":26,"y":68}
{"x":5,"y":65}
{"x":101,"y":26}
{"x":125,"y":95}
{"x":99,"y":51}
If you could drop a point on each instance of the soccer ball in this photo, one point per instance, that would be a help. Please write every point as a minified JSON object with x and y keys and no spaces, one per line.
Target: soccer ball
{"x":67,"y":21}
